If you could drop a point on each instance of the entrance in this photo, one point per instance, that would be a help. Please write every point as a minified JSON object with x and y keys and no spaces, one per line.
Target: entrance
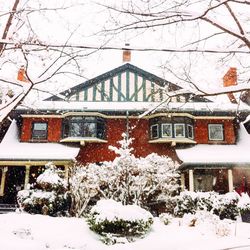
{"x":14,"y":182}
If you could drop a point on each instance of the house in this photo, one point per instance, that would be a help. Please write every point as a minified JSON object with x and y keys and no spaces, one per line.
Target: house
{"x":83,"y":121}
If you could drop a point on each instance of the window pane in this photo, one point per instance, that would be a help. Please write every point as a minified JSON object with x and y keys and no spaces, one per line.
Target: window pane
{"x":40,"y":126}
{"x":166,"y":130}
{"x":190,"y":130}
{"x":179,"y":130}
{"x":154,"y":131}
{"x":100,"y":131}
{"x":75,"y":129}
{"x":215,"y":132}
{"x":89,"y":130}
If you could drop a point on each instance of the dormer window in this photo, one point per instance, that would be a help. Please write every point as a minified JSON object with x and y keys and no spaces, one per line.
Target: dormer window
{"x":40,"y":131}
{"x":80,"y":128}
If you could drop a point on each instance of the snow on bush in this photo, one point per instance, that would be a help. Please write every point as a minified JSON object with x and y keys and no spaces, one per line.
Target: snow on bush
{"x":244,"y":203}
{"x":127,"y":179}
{"x":223,"y":205}
{"x":49,"y":195}
{"x":113,"y":220}
{"x":50,"y":179}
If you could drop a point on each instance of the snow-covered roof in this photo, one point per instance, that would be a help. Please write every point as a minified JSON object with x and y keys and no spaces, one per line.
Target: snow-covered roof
{"x":212,"y":154}
{"x":135,"y":106}
{"x":11,"y":149}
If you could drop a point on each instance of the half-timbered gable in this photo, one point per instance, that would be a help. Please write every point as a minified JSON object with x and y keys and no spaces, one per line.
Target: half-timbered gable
{"x":126,"y":83}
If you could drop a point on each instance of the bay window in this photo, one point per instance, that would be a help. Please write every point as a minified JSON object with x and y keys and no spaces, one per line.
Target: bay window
{"x":84,"y":127}
{"x":171,"y":128}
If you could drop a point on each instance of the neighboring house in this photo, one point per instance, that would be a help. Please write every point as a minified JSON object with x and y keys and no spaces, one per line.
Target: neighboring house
{"x":94,"y":115}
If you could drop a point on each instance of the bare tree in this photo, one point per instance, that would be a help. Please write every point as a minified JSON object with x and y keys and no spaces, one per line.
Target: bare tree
{"x":186,"y":27}
{"x":191,"y":31}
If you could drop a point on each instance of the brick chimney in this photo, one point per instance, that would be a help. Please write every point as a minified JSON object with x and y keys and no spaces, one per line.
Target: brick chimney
{"x":230,"y":79}
{"x":126,"y":54}
{"x":21,"y":75}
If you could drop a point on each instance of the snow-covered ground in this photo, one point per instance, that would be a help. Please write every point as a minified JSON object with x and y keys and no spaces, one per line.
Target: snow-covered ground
{"x":37,"y":232}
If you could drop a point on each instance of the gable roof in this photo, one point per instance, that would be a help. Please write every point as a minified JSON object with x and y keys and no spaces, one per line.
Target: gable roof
{"x":123,"y":84}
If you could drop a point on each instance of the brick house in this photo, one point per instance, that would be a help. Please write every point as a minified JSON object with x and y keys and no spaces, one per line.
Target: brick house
{"x":83,"y":121}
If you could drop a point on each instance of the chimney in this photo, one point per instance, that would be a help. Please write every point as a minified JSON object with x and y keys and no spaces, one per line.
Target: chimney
{"x":230,"y":79}
{"x":126,"y":54}
{"x":21,"y":76}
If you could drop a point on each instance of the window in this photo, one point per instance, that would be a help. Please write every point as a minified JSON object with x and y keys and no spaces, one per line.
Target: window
{"x":179,"y":130}
{"x":80,"y":126}
{"x":154,"y":131}
{"x":40,"y":130}
{"x":215,"y":132}
{"x":172,"y":128}
{"x":166,"y":130}
{"x":247,"y":126}
{"x":190,"y":131}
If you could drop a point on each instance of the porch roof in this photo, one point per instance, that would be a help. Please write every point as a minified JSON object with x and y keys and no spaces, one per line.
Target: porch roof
{"x":13,"y":150}
{"x":238,"y":154}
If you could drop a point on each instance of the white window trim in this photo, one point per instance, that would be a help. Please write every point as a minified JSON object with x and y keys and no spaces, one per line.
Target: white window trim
{"x":179,"y":124}
{"x":151,"y":128}
{"x":222,"y":132}
{"x":192,"y":129}
{"x":171,"y":126}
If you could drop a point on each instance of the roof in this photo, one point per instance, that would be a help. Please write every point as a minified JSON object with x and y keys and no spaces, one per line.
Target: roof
{"x":12,"y":150}
{"x":218,"y":154}
{"x":198,"y":108}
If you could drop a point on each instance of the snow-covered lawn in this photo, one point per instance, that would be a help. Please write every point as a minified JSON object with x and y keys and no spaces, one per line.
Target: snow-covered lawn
{"x":37,"y":232}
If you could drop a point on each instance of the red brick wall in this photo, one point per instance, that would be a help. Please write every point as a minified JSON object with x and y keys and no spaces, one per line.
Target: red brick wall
{"x":95,"y":152}
{"x":201,"y":131}
{"x":54,"y":128}
{"x":139,"y":130}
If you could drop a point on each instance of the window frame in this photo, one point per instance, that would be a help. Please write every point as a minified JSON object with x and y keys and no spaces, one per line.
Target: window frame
{"x":38,"y":138}
{"x":184,"y":132}
{"x":151,"y":129}
{"x":212,"y":125}
{"x":171,"y":130}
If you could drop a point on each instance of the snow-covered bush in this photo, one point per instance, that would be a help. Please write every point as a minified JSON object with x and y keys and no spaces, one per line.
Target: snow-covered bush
{"x":113,"y":220}
{"x":127,"y":179}
{"x":223,"y":205}
{"x":226,"y":205}
{"x":49,"y":195}
{"x":244,"y":203}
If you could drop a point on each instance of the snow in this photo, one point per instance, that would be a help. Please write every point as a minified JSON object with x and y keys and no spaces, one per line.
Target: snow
{"x":133,"y":106}
{"x":112,"y":211}
{"x":12,"y":149}
{"x":29,"y":232}
{"x":238,"y":154}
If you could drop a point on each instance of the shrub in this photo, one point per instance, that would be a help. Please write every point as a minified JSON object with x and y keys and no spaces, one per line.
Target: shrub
{"x":49,"y":195}
{"x":225,"y":206}
{"x":142,"y":181}
{"x":112,"y":221}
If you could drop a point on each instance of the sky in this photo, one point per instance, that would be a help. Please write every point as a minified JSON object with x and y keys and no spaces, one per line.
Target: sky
{"x":83,"y":22}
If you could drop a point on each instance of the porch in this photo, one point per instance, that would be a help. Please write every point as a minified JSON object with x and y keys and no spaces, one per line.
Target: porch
{"x":221,"y":178}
